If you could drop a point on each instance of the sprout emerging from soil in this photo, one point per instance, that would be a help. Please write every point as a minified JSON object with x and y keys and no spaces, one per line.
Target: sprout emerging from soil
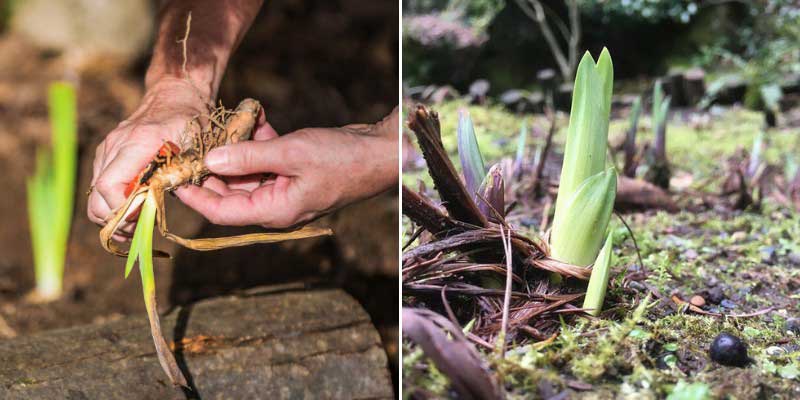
{"x":659,"y":172}
{"x":587,"y":189}
{"x":51,"y":192}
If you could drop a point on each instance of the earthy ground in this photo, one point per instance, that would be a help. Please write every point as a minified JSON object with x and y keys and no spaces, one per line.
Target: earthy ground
{"x":644,"y":346}
{"x":301,"y":79}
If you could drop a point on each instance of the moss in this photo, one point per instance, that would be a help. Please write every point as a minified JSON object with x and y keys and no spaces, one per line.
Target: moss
{"x":685,"y":253}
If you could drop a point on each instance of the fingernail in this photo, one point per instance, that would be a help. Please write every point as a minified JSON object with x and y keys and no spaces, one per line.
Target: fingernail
{"x":216,"y":159}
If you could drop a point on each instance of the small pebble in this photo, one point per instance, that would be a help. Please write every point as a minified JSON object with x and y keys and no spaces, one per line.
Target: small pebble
{"x":715,"y":295}
{"x":698,"y":301}
{"x":729,"y":350}
{"x":794,"y":259}
{"x":767,"y":254}
{"x":738,"y":236}
{"x":775,"y":351}
{"x":727,"y":303}
{"x":638,"y":286}
{"x":690,"y":254}
{"x":793,"y":325}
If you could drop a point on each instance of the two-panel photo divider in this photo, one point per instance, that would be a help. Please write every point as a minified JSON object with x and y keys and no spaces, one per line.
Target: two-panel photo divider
{"x":416,"y":199}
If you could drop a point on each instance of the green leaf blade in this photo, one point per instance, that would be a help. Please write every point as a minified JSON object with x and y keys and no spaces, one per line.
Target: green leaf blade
{"x":469,"y":153}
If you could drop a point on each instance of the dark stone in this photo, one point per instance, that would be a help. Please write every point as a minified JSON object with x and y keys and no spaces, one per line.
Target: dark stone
{"x":520,"y":101}
{"x":694,"y":86}
{"x":767,"y":254}
{"x":794,"y":259}
{"x":730,"y":92}
{"x":793,"y":324}
{"x":729,"y":350}
{"x":271,"y":343}
{"x":727,"y":303}
{"x":478,"y":91}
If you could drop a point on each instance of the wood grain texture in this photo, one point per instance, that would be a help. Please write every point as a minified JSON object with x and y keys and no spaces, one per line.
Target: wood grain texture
{"x":276,"y":344}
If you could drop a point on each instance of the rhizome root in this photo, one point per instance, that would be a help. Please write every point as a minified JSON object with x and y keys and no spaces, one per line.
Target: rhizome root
{"x":175,"y":166}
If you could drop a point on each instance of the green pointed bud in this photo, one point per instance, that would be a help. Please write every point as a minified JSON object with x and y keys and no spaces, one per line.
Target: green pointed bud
{"x":469,"y":153}
{"x":587,"y":135}
{"x":577,"y":236}
{"x":598,"y":282}
{"x":586,"y":190}
{"x":492,"y":205}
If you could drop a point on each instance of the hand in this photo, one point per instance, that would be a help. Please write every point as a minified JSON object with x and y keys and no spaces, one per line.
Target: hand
{"x":314,"y":171}
{"x":166,"y":108}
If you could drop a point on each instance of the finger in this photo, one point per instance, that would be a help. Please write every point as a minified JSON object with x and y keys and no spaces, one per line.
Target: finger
{"x":235,"y":210}
{"x":239,"y":208}
{"x":264,"y":130}
{"x":279,"y":155}
{"x":99,"y":161}
{"x":98,"y":209}
{"x":124,"y":168}
{"x":217,"y":185}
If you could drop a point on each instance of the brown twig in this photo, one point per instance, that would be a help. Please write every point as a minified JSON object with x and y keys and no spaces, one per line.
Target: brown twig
{"x":456,"y":199}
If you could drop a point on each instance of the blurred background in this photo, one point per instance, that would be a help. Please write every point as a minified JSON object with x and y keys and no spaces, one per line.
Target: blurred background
{"x":503,"y":46}
{"x":311,"y":63}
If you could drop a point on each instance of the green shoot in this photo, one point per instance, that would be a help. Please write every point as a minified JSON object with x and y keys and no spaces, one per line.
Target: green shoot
{"x":580,"y":235}
{"x":469,"y":153}
{"x":596,"y":292}
{"x":586,"y":190}
{"x":51,"y":193}
{"x":522,"y":138}
{"x":659,"y":115}
{"x":142,"y":250}
{"x":755,"y":155}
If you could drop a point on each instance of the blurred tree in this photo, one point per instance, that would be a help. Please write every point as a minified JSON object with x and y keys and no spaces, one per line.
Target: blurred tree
{"x":566,"y":59}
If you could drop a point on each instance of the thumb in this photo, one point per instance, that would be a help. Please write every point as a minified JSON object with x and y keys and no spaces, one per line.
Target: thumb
{"x":252,"y":157}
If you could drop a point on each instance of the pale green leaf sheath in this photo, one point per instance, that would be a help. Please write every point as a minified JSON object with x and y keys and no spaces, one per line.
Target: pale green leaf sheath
{"x":598,"y":282}
{"x":581,"y":234}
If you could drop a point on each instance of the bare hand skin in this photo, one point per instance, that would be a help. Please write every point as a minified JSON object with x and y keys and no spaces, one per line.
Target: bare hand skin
{"x":313,"y":170}
{"x":177,"y":90}
{"x":316,"y":170}
{"x":163,"y":114}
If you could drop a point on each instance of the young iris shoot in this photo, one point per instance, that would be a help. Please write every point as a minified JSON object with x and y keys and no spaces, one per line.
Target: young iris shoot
{"x":469,"y":153}
{"x":629,"y":168}
{"x":659,"y":172}
{"x":659,"y":113}
{"x":51,"y":192}
{"x":142,"y":250}
{"x":587,"y":189}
